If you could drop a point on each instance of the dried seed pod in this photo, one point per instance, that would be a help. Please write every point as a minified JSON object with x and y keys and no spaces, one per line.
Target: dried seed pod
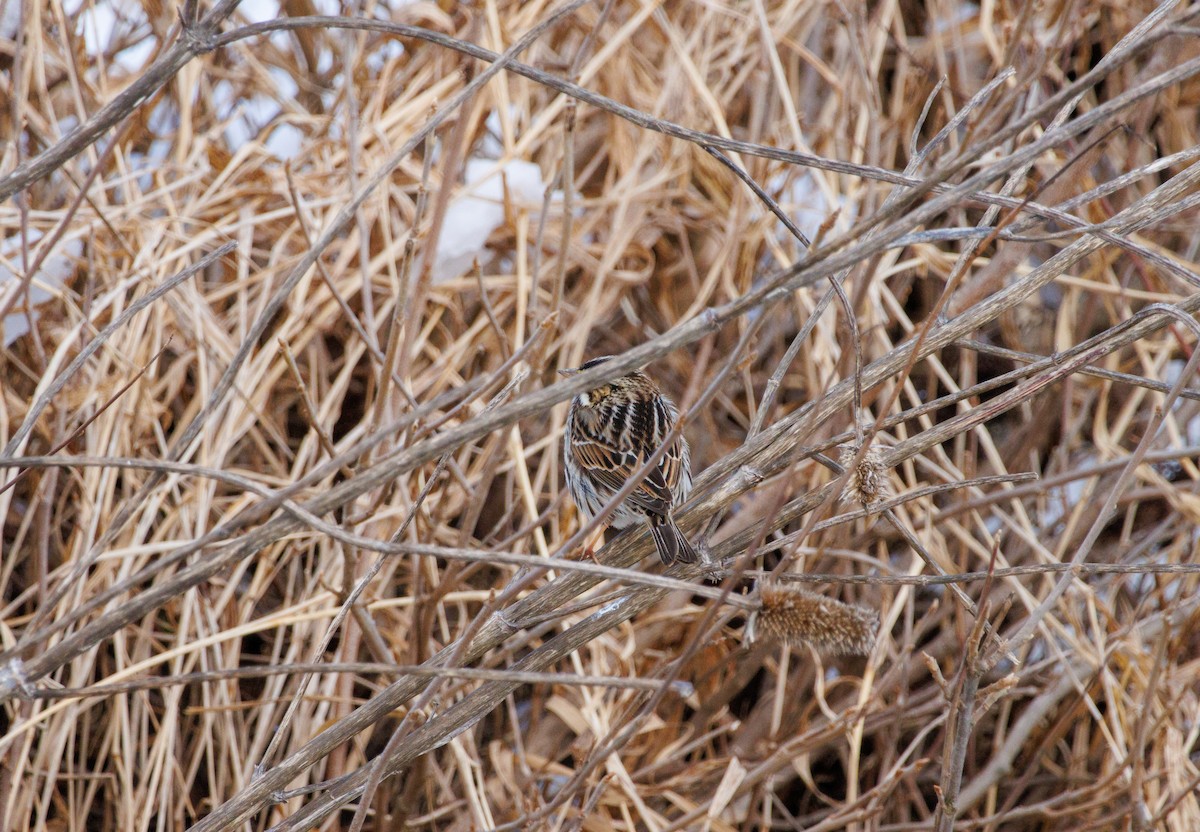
{"x":868,"y":483}
{"x":795,"y":616}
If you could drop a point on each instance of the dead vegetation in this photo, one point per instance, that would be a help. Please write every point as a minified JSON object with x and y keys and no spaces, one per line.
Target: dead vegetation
{"x":284,"y":515}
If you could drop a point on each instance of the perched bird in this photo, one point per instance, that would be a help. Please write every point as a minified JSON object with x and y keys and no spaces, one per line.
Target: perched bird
{"x":611,"y":431}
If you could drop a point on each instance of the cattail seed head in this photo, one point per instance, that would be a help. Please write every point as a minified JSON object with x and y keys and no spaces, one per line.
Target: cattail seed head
{"x":795,"y":616}
{"x":868,"y":482}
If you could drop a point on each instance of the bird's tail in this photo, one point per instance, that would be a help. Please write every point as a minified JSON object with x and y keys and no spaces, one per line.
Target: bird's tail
{"x":671,"y":544}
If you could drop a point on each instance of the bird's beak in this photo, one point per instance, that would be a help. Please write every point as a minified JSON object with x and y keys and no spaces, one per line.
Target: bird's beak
{"x":573,"y":371}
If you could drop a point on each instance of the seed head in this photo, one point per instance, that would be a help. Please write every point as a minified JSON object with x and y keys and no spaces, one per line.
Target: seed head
{"x":795,"y":615}
{"x":868,"y":482}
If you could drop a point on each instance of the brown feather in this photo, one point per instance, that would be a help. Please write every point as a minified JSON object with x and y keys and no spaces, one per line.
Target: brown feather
{"x":610,"y":433}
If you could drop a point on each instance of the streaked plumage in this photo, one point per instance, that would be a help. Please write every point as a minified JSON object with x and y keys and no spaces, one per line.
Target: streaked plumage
{"x":611,"y":431}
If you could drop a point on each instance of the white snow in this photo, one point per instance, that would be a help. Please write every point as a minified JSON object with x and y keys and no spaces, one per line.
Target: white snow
{"x":10,"y":19}
{"x":801,"y":197}
{"x":259,"y":11}
{"x":105,"y":24}
{"x":285,"y":85}
{"x":1193,"y":430}
{"x":98,"y":23}
{"x":1063,"y":500}
{"x":246,"y":117}
{"x":325,"y":63}
{"x":66,"y":124}
{"x":137,"y":57}
{"x":56,"y":268}
{"x":478,"y":210}
{"x":258,"y":110}
{"x":490,"y":144}
{"x":1171,"y":374}
{"x":285,"y":141}
{"x":222,"y":98}
{"x":389,"y":50}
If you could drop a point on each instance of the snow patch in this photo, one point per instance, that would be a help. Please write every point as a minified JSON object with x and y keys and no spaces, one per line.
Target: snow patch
{"x":285,"y":84}
{"x":10,"y":19}
{"x":1193,"y":430}
{"x":98,"y":24}
{"x":259,"y":11}
{"x":135,"y":58}
{"x":66,"y":124}
{"x":283,"y":41}
{"x":1037,"y":652}
{"x":259,"y":110}
{"x":325,"y":63}
{"x":222,"y":98}
{"x":55,"y":270}
{"x":389,"y":50}
{"x":490,"y":144}
{"x":805,"y":203}
{"x":285,"y":141}
{"x":478,"y":210}
{"x":245,"y":117}
{"x":1062,"y":500}
{"x":107,"y":25}
{"x":1171,"y":374}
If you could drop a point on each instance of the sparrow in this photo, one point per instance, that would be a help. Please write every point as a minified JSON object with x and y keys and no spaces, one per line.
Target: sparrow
{"x":611,"y":431}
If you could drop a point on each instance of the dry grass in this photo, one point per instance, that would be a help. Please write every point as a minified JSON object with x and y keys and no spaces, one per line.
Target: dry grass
{"x":250,"y":509}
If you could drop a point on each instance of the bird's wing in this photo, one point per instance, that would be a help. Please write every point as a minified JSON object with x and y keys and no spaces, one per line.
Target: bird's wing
{"x":612,"y":469}
{"x":637,"y":431}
